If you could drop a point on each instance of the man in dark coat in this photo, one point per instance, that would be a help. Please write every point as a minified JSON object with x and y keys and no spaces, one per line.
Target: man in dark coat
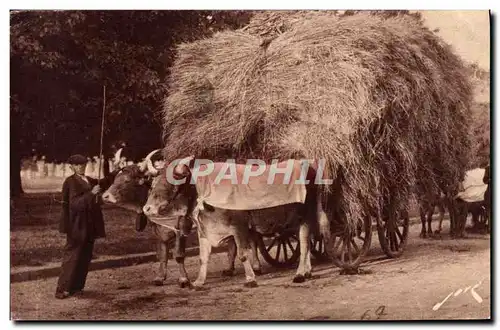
{"x":82,"y":222}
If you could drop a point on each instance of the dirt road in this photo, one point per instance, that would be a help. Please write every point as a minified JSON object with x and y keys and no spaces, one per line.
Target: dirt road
{"x":406,"y":288}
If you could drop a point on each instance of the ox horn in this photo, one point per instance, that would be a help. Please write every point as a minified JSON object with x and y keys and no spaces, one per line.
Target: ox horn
{"x":118,"y":155}
{"x":149,"y":164}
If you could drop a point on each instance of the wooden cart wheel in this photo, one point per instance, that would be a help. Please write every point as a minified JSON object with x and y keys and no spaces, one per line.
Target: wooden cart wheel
{"x":282,"y":251}
{"x":393,"y":234}
{"x":347,"y":250}
{"x":318,"y":249}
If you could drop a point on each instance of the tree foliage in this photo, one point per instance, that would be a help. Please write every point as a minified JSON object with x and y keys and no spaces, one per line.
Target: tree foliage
{"x":60,"y":61}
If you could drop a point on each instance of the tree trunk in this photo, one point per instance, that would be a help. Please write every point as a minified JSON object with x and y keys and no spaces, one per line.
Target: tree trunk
{"x":15,"y":175}
{"x":15,"y":157}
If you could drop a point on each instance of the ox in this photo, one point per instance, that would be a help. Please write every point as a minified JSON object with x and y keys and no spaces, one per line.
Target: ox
{"x":470,"y":198}
{"x":426,"y":209}
{"x":130,"y":191}
{"x":216,"y":225}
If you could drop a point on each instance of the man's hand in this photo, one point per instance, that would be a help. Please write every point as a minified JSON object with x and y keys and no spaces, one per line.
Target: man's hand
{"x":96,"y":190}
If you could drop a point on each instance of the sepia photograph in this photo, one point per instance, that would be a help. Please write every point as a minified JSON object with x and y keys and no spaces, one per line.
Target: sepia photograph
{"x":250,"y":165}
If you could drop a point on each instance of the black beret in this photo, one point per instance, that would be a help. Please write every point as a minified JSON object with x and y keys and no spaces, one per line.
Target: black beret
{"x":77,"y":160}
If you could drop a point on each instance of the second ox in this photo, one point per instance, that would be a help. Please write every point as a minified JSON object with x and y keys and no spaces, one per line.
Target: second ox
{"x":130,"y":191}
{"x":222,"y":211}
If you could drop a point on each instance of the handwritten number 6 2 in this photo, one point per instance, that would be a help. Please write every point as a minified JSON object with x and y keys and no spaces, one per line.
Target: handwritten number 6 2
{"x":380,"y":311}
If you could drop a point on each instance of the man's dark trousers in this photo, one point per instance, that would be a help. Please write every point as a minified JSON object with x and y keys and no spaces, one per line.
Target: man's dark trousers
{"x":75,"y":265}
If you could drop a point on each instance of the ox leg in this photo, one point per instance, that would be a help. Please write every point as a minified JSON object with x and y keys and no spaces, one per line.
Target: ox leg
{"x":487,"y":207}
{"x":475,"y":217}
{"x":459,"y":219}
{"x":256,"y":266}
{"x":488,"y":218}
{"x":241,"y":238}
{"x":231,"y":257}
{"x":180,"y":254}
{"x":441,"y":218}
{"x":308,"y":264}
{"x":162,"y":255}
{"x":482,"y":219}
{"x":423,"y":232}
{"x":462,"y":220}
{"x":302,"y":271}
{"x":205,"y":250}
{"x":430,"y":212}
{"x":455,"y":210}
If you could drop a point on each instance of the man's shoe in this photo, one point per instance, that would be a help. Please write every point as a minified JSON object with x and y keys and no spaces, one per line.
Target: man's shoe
{"x":62,"y":295}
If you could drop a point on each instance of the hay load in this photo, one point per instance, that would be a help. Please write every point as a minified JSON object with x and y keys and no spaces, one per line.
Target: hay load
{"x":384,"y":101}
{"x":271,"y":23}
{"x":480,"y":132}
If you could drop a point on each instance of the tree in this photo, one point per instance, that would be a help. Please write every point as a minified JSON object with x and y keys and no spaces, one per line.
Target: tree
{"x":61,"y":59}
{"x":15,"y":160}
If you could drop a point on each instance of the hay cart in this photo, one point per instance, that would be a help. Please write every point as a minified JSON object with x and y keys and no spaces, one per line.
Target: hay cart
{"x":364,"y":105}
{"x":346,"y":250}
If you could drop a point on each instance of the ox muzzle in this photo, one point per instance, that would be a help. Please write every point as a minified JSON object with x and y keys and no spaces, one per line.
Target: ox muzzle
{"x":108,"y":197}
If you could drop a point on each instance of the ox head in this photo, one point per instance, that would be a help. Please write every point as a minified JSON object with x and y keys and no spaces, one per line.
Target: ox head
{"x":131,"y":184}
{"x":167,"y":199}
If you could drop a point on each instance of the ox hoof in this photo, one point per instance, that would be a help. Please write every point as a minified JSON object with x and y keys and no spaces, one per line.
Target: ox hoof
{"x":228,"y":272}
{"x":437,"y":231}
{"x":299,"y":279}
{"x":184,"y":283}
{"x":197,"y":288}
{"x":158,"y":281}
{"x":197,"y":285}
{"x":308,"y":275}
{"x":350,"y":271}
{"x":423,"y":235}
{"x":251,"y":284}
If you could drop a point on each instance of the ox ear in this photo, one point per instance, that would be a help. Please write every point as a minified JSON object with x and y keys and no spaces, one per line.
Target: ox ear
{"x":183,"y":169}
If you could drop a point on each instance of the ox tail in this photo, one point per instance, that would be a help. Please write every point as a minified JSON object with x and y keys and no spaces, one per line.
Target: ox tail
{"x":323,"y":222}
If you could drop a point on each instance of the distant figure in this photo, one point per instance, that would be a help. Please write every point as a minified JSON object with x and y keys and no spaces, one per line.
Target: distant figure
{"x":98,"y":168}
{"x":50,"y":169}
{"x":59,"y":170}
{"x":33,"y":168}
{"x":95,"y":167}
{"x":82,"y":222}
{"x":45,"y":168}
{"x":25,"y":168}
{"x":40,"y":164}
{"x":89,"y":168}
